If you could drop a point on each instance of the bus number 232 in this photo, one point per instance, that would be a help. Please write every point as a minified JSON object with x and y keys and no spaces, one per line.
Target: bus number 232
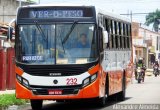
{"x":71,"y":81}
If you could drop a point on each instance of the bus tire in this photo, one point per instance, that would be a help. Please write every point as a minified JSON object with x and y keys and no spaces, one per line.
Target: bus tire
{"x":139,"y":80}
{"x":60,"y":101}
{"x":122,"y":94}
{"x":36,"y":104}
{"x":102,"y":101}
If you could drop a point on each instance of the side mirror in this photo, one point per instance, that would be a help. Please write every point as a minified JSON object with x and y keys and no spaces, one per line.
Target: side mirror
{"x":105,"y":36}
{"x":10,"y":33}
{"x":10,"y":30}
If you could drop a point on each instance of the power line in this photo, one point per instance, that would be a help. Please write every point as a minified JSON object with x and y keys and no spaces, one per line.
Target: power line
{"x":133,"y":14}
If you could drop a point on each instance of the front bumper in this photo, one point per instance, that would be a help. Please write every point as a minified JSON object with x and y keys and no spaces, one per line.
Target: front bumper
{"x":90,"y":91}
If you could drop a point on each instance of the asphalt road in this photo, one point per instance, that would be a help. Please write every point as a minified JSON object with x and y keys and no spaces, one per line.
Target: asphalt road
{"x":137,"y":95}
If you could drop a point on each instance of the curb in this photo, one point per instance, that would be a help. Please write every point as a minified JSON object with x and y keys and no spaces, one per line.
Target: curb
{"x":20,"y":107}
{"x":15,"y":107}
{"x":7,"y":92}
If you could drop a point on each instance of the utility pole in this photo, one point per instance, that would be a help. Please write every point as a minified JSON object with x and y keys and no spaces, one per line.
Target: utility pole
{"x":131,"y":15}
{"x":3,"y":15}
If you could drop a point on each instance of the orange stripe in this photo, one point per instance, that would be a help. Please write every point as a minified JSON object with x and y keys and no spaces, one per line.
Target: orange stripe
{"x":94,"y":69}
{"x":18,"y":70}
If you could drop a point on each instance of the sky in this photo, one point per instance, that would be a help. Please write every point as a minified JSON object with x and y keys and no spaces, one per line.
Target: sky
{"x":118,"y":6}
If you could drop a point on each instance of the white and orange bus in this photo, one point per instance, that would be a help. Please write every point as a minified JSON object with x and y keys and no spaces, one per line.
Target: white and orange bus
{"x":71,"y":52}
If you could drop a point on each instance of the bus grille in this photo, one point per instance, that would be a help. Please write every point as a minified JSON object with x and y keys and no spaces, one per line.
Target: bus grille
{"x":67,"y":90}
{"x":47,"y":70}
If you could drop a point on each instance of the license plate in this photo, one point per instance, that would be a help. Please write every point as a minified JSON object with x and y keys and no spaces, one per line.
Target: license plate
{"x":55,"y":92}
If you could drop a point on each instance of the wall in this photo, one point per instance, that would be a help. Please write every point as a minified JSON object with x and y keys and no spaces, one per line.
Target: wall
{"x":8,"y":9}
{"x":135,"y":30}
{"x":146,"y":43}
{"x":138,"y":43}
{"x":153,"y":37}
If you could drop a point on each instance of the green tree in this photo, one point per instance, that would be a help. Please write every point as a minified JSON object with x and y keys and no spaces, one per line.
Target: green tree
{"x":33,"y":1}
{"x":153,"y":17}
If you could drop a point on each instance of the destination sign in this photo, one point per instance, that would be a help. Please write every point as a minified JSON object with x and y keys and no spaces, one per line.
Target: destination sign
{"x":56,"y":14}
{"x":53,"y":13}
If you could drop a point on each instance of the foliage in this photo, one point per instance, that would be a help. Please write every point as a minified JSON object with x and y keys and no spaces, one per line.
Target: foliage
{"x":153,"y":17}
{"x":31,"y":1}
{"x":10,"y":99}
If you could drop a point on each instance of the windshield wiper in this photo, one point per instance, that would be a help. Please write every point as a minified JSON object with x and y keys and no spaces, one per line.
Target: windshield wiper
{"x":69,"y":32}
{"x":61,"y":42}
{"x":41,"y":31}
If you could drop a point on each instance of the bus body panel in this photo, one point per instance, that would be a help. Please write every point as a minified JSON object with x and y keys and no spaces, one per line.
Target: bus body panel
{"x":116,"y":64}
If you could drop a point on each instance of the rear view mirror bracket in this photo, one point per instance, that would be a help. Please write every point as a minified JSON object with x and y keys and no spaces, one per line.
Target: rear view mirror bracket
{"x":10,"y":30}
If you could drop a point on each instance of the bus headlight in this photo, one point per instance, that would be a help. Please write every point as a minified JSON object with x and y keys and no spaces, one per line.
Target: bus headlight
{"x":89,"y":80}
{"x":22,"y":81}
{"x":19,"y":78}
{"x":93,"y":77}
{"x":86,"y":82}
{"x":25,"y":83}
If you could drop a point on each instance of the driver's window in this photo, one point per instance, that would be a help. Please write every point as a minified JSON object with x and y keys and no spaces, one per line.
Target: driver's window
{"x":85,"y":35}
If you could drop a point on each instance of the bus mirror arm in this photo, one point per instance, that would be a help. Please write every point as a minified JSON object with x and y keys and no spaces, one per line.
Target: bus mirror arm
{"x":10,"y":30}
{"x":105,"y":36}
{"x":10,"y":33}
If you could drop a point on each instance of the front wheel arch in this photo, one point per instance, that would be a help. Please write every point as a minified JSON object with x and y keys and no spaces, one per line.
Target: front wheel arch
{"x":107,"y":84}
{"x":121,"y":95}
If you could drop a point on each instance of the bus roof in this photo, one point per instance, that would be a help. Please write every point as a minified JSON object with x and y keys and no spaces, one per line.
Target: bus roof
{"x":112,"y":15}
{"x":98,"y":9}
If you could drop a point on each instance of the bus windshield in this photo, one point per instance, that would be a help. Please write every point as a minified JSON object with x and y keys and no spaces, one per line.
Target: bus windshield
{"x":43,"y":44}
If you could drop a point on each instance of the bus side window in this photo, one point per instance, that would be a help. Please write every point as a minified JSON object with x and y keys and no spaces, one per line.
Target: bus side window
{"x":112,"y":34}
{"x":130,"y":36}
{"x":120,"y":34}
{"x":116,"y":34}
{"x":108,"y":29}
{"x":100,"y":39}
{"x":124,"y":35}
{"x":127,"y":36}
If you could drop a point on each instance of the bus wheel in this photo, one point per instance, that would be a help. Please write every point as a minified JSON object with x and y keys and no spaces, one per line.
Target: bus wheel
{"x":60,"y":101}
{"x":102,"y":101}
{"x":122,"y":94}
{"x":36,"y":104}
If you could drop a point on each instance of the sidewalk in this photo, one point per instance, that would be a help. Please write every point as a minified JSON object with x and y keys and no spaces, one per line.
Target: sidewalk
{"x":7,"y":92}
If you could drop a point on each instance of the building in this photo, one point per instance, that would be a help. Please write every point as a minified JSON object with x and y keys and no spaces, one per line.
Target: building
{"x":139,"y":46}
{"x":146,"y":44}
{"x":152,"y":39}
{"x":8,"y":9}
